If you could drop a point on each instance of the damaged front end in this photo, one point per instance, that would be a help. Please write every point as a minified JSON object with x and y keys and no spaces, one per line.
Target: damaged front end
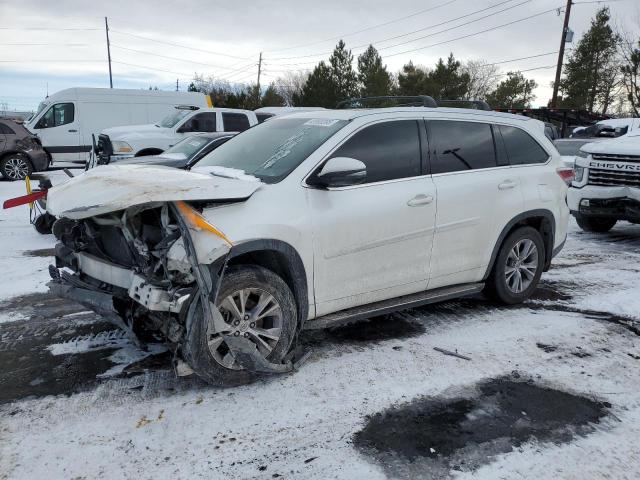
{"x":133,"y":267}
{"x":146,"y":268}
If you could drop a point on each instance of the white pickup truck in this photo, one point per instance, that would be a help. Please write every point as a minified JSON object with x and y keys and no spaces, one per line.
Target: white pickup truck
{"x":606,"y":187}
{"x":118,"y":143}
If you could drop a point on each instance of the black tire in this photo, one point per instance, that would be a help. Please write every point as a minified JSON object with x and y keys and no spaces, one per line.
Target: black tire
{"x":595,"y":224}
{"x":195,"y":349}
{"x":496,"y":286}
{"x":9,"y":163}
{"x":44,"y":223}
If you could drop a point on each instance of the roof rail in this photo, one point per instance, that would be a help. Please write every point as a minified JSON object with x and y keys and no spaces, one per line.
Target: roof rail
{"x":477,"y":104}
{"x":388,"y":101}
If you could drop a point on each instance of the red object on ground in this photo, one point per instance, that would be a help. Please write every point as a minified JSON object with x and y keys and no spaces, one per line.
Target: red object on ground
{"x":32,"y":197}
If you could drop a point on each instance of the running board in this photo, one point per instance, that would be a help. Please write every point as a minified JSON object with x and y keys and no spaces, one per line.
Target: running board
{"x":393,"y":305}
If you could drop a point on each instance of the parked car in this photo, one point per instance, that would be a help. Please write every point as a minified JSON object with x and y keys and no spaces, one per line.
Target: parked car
{"x":66,"y":120}
{"x":139,"y":140}
{"x":312,"y":220}
{"x":21,"y":152}
{"x":606,"y":187}
{"x":184,"y":154}
{"x":551,"y":131}
{"x":264,"y":113}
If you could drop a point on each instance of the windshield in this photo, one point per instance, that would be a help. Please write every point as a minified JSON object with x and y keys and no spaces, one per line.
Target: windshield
{"x":40,"y":108}
{"x":570,"y":148}
{"x":173,"y":118}
{"x":273,"y":149}
{"x":188,"y":146}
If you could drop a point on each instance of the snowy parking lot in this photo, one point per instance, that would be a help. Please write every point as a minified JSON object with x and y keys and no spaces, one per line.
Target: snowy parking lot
{"x":549,"y":389}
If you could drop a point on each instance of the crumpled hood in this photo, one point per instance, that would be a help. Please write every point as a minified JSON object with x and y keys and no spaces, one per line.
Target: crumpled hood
{"x":110,"y":188}
{"x":136,"y":131}
{"x":626,"y":145}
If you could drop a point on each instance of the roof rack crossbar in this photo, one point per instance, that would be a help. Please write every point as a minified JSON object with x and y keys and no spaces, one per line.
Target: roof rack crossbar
{"x":365,"y":102}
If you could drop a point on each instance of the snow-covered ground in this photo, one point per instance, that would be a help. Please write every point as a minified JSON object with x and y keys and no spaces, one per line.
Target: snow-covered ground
{"x":92,"y":421}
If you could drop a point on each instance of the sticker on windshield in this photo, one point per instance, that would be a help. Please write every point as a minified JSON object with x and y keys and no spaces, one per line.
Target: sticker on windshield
{"x":320,"y":122}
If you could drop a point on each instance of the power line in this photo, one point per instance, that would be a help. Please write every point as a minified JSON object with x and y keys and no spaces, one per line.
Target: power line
{"x":177,"y":45}
{"x":423,"y":29}
{"x":475,"y":33}
{"x":368,"y":28}
{"x":168,"y":57}
{"x":48,"y":61}
{"x":47,"y":44}
{"x":51,"y":28}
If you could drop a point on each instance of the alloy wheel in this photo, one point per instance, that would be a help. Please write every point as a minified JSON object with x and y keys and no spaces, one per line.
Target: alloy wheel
{"x":521,"y":265}
{"x":252,"y":313}
{"x":16,"y":168}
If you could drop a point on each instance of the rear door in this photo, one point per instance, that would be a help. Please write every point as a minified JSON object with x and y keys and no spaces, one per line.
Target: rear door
{"x":372,"y":241}
{"x":59,"y":130}
{"x":235,"y":122}
{"x":478,"y":193}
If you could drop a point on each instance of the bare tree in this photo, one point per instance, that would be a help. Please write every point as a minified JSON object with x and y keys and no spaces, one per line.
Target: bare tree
{"x":289,"y":86}
{"x":483,"y":78}
{"x":629,"y":51}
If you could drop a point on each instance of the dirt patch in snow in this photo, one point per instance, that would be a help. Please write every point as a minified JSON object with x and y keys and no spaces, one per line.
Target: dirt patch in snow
{"x":430,"y":437}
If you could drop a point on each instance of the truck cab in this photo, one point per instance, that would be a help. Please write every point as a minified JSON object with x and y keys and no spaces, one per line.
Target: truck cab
{"x":119,"y":143}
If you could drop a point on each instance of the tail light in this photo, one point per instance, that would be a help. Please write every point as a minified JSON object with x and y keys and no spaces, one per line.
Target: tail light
{"x":567,"y":174}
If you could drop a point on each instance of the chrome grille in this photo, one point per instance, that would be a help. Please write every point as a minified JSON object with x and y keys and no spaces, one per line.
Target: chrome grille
{"x":619,"y":158}
{"x":612,"y":178}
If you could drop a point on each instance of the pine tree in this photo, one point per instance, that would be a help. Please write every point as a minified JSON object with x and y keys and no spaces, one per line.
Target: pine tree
{"x":591,"y":71}
{"x":413,"y":80}
{"x":374,"y":79}
{"x":272,"y":98}
{"x":514,"y":92}
{"x":344,"y":77}
{"x":449,"y":81}
{"x":631,"y":76}
{"x":320,"y":89}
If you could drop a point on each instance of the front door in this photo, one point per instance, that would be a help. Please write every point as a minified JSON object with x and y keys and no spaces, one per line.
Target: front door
{"x":373,"y":241}
{"x":59,"y":131}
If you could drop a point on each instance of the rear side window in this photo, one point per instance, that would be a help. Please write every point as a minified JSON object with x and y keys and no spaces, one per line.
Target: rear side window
{"x":263,"y":116}
{"x":202,"y":122}
{"x":390,"y":150}
{"x":6,"y":129}
{"x":235,"y":122}
{"x":521,"y":148}
{"x":461,"y":146}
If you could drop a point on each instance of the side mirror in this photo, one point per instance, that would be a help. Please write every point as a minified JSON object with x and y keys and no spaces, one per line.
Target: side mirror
{"x":341,"y":172}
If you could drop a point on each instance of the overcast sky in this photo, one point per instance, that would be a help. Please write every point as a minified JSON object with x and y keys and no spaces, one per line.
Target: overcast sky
{"x":224,"y":38}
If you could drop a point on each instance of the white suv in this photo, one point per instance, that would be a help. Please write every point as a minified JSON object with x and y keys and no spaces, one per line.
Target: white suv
{"x":312,"y":220}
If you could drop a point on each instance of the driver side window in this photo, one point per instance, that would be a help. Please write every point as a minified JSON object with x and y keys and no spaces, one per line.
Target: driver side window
{"x":59,"y":114}
{"x":202,"y":122}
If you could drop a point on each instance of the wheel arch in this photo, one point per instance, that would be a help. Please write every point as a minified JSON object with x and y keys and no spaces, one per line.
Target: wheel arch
{"x":542,"y":220}
{"x":282,"y":259}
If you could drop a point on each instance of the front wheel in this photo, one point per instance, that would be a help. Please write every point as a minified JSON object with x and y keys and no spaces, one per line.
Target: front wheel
{"x":256,"y":304}
{"x":518,"y":267}
{"x":595,"y":224}
{"x":16,"y":167}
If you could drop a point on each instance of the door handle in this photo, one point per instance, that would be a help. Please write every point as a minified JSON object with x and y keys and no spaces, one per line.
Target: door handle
{"x":421,"y":199}
{"x":507,"y":184}
{"x":73,"y":130}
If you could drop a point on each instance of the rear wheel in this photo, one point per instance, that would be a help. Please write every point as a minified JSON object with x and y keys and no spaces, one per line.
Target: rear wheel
{"x":254,"y":303}
{"x":16,"y":166}
{"x":518,"y":266}
{"x":595,"y":224}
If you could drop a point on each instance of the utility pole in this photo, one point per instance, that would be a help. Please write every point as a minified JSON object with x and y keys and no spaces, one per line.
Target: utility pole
{"x":106,"y":28}
{"x":259,"y":71}
{"x":563,"y":38}
{"x":177,"y":87}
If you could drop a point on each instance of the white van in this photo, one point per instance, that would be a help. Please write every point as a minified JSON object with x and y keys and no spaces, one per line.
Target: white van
{"x":65,"y":120}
